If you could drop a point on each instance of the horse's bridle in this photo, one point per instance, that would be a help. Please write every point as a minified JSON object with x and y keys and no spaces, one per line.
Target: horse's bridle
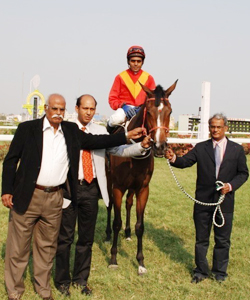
{"x":144,"y":118}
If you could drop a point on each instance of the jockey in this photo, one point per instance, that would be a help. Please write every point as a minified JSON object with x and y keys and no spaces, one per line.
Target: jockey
{"x":126,"y":93}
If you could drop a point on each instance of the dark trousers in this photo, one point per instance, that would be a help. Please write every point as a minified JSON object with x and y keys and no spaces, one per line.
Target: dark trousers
{"x":86,"y":213}
{"x":203,"y":223}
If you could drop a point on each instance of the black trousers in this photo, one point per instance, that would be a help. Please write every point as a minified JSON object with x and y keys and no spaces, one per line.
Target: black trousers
{"x":86,"y":213}
{"x":203,"y":221}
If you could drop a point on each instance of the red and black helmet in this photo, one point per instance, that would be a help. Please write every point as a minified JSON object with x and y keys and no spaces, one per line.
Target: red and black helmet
{"x":136,"y":51}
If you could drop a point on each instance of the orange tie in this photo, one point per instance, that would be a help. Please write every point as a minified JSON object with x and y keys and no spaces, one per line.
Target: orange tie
{"x":87,"y":164}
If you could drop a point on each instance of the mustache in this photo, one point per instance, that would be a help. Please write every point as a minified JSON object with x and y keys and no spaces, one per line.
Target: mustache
{"x":57,"y":116}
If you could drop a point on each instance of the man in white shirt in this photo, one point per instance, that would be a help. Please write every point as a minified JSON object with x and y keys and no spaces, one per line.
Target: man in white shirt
{"x":43,"y":155}
{"x":86,"y":209}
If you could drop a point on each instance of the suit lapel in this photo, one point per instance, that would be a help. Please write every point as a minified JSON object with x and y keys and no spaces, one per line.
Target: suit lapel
{"x":209,"y":149}
{"x":68,"y":139}
{"x":229,"y":147}
{"x":38,"y":136}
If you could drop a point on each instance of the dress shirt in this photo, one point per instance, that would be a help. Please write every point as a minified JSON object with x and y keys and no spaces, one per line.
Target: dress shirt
{"x":80,"y":169}
{"x":55,"y":161}
{"x":222,"y":144}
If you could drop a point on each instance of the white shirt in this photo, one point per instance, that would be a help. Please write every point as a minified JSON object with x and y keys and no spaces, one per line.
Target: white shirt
{"x":55,"y":161}
{"x":80,"y":169}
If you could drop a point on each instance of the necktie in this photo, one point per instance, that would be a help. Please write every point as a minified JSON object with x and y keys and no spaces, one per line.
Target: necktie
{"x":217,"y":156}
{"x":87,"y":164}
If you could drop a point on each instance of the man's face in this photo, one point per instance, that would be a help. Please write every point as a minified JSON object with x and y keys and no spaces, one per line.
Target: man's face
{"x":86,"y":110}
{"x":217,"y":129}
{"x":55,"y":110}
{"x":135,"y":64}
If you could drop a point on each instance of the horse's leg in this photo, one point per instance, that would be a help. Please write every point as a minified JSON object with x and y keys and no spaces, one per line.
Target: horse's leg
{"x":129,"y":204}
{"x":108,"y":227}
{"x":117,"y":224}
{"x":141,"y":201}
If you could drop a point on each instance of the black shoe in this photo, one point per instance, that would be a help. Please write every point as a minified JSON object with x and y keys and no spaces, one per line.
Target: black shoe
{"x":197,"y":279}
{"x":220,"y":278}
{"x":86,"y":291}
{"x":64,"y":289}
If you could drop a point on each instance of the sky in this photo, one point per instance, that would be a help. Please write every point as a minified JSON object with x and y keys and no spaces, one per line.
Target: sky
{"x":78,"y":47}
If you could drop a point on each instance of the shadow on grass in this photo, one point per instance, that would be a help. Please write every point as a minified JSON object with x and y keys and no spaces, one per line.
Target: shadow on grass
{"x":166,"y":241}
{"x":169,"y":243}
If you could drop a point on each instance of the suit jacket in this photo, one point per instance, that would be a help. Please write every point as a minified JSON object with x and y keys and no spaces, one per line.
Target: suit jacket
{"x":22,"y":163}
{"x":233,"y":170}
{"x":99,"y":158}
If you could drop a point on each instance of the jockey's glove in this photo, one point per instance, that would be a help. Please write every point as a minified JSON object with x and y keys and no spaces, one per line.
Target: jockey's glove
{"x":130,"y":111}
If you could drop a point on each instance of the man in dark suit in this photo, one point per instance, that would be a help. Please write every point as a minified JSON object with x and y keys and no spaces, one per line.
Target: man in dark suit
{"x":217,"y":159}
{"x":43,"y":155}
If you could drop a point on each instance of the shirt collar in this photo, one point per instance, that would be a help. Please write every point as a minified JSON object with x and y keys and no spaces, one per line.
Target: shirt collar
{"x":220,"y":142}
{"x":46,"y":125}
{"x":87,"y":130}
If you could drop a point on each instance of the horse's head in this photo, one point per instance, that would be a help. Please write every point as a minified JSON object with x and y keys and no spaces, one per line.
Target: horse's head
{"x":157,"y":110}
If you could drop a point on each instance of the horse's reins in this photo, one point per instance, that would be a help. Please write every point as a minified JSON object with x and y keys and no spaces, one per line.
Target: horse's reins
{"x":219,"y":186}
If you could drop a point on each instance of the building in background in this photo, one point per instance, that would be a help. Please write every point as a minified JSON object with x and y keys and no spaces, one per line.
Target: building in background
{"x":191,"y":123}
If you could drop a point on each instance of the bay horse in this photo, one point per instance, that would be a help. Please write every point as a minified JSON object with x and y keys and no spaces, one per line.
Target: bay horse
{"x":134,"y":174}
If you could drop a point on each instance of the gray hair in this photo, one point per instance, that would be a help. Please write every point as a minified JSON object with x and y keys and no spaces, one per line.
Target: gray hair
{"x":218,"y":116}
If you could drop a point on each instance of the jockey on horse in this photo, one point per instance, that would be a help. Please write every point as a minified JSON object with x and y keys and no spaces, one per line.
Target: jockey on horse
{"x":126,"y":94}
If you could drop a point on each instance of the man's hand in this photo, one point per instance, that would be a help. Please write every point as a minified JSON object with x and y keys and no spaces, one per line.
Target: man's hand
{"x":146,"y":143}
{"x":169,"y":154}
{"x":7,"y":200}
{"x":225,"y":189}
{"x":135,"y":133}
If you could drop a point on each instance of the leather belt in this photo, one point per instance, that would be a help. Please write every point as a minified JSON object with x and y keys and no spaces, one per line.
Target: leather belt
{"x":48,"y":189}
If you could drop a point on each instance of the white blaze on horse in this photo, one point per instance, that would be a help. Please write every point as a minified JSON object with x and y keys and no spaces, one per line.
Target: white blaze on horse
{"x":134,"y":174}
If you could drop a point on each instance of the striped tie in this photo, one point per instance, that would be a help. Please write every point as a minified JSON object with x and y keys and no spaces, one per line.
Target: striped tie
{"x":87,"y":164}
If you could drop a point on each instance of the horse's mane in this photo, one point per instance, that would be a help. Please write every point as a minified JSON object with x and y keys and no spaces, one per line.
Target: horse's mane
{"x":159,"y":94}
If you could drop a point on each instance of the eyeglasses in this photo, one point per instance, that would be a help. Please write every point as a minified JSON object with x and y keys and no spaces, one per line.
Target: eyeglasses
{"x":56,"y":108}
{"x":216,"y":127}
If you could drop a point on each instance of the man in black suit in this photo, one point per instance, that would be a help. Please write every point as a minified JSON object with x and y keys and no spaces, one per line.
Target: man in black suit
{"x":43,"y":155}
{"x":217,"y":159}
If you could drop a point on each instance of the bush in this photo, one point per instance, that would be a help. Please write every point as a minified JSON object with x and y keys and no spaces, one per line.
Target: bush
{"x":246,"y":148}
{"x":4,"y":148}
{"x":181,"y":149}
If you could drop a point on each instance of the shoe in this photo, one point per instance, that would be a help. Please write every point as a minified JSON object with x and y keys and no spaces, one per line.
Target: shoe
{"x":64,"y":289}
{"x":86,"y":291}
{"x":220,"y":278}
{"x":197,"y":279}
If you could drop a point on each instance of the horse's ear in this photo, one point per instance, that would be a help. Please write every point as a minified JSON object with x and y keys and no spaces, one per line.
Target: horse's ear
{"x":147,"y":90}
{"x":170,"y":89}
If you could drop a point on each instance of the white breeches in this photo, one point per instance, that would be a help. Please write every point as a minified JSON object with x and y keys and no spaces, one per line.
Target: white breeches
{"x":117,"y":118}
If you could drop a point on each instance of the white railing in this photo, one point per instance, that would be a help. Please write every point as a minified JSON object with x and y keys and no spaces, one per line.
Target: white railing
{"x":171,"y":140}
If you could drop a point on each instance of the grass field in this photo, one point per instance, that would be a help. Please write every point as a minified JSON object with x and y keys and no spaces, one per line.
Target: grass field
{"x":168,"y":249}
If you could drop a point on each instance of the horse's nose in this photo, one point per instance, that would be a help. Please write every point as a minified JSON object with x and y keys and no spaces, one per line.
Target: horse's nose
{"x":159,"y":149}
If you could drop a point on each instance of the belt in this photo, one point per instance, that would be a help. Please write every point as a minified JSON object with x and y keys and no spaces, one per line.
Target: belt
{"x":83,"y":181}
{"x":48,"y":189}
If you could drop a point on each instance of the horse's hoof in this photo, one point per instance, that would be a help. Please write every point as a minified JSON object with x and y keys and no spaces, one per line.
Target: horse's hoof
{"x":114,"y":267}
{"x":128,"y":239}
{"x":142,"y":270}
